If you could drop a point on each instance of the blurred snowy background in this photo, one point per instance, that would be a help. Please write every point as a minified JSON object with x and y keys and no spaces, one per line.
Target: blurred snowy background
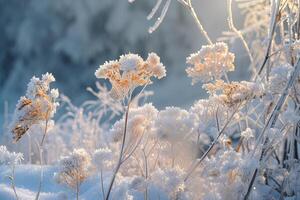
{"x":70,"y":38}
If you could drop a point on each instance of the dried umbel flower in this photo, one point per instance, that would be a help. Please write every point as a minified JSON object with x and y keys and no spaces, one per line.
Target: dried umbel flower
{"x":211,"y":62}
{"x":231,"y":94}
{"x":39,"y":105}
{"x":74,"y":169}
{"x":129,"y":72}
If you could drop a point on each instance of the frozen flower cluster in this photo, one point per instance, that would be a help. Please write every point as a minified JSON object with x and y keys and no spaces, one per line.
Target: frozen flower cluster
{"x":140,"y":121}
{"x":74,"y":169}
{"x":171,"y":181}
{"x":129,"y":72}
{"x":227,"y":172}
{"x":103,"y":158}
{"x":233,"y":93}
{"x":172,"y":122}
{"x":39,"y":105}
{"x":278,"y":78}
{"x":9,"y":158}
{"x":211,"y":62}
{"x":204,"y":111}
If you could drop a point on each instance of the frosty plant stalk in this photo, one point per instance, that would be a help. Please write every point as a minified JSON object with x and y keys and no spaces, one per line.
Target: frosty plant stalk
{"x":12,"y":159}
{"x":125,"y":75}
{"x":34,"y":109}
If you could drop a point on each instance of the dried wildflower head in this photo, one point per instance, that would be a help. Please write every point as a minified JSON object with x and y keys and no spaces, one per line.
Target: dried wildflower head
{"x":74,"y":169}
{"x":211,"y":62}
{"x":129,"y":72}
{"x":230,"y":94}
{"x":37,"y":106}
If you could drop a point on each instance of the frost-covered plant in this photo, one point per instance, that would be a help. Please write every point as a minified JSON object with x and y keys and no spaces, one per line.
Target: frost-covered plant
{"x":103,"y":158}
{"x":278,"y":78}
{"x":106,"y":105}
{"x":9,"y":158}
{"x":210,"y":63}
{"x":140,"y":121}
{"x":74,"y":169}
{"x":37,"y":107}
{"x":12,"y":159}
{"x":171,"y":181}
{"x":172,"y":122}
{"x":231,"y":94}
{"x":129,"y":72}
{"x":125,"y":75}
{"x":244,"y":136}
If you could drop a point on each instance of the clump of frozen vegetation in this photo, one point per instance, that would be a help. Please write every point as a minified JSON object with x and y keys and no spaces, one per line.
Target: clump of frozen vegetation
{"x":242,"y":142}
{"x":10,"y":159}
{"x":74,"y":169}
{"x":211,"y":62}
{"x":37,"y":107}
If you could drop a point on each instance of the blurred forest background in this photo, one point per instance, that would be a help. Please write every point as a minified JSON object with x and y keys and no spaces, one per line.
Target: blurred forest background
{"x":71,"y":38}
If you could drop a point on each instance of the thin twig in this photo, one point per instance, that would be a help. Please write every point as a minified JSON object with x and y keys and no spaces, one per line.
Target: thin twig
{"x":13,"y":182}
{"x":270,"y":38}
{"x":197,"y":20}
{"x":234,"y":29}
{"x":121,"y":152}
{"x":40,"y":147}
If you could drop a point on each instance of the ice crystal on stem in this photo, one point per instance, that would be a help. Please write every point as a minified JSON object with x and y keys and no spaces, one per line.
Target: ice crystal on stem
{"x":210,"y":63}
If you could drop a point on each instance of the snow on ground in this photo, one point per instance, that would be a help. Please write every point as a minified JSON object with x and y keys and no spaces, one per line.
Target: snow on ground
{"x":27,"y":183}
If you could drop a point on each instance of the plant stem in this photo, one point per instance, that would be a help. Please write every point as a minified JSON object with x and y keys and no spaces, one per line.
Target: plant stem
{"x":121,"y":152}
{"x":275,"y":10}
{"x":197,"y":20}
{"x":41,"y":160}
{"x":13,"y":182}
{"x":234,"y":29}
